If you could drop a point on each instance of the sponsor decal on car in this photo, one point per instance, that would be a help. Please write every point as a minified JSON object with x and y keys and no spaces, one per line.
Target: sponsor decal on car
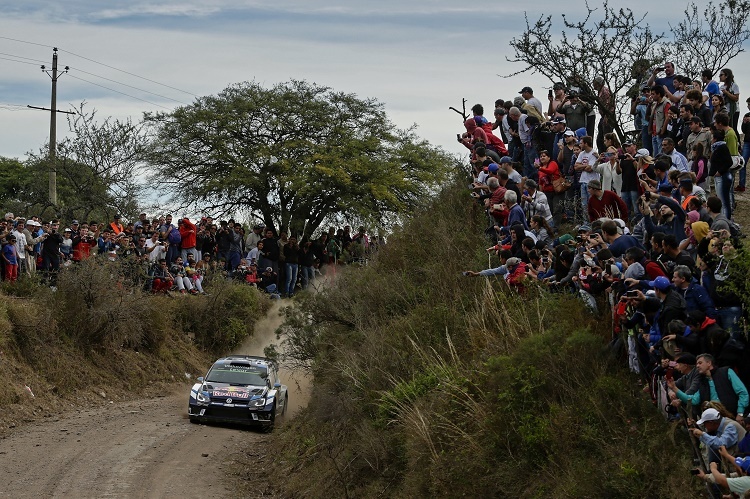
{"x":232,"y":392}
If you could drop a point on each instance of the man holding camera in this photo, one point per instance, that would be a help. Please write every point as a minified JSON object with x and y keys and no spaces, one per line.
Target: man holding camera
{"x":575,"y":110}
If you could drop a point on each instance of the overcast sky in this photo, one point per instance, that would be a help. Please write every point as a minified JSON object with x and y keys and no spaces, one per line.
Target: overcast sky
{"x":416,"y":57}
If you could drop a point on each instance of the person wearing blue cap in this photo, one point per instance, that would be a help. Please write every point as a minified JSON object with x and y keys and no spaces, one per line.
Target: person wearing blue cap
{"x":672,"y":307}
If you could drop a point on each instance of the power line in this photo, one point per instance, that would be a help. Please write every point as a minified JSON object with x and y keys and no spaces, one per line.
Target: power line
{"x":126,"y":85}
{"x":128,"y":73}
{"x":22,"y":57}
{"x":122,"y":93}
{"x":102,"y":64}
{"x":24,"y":41}
{"x":21,"y":62}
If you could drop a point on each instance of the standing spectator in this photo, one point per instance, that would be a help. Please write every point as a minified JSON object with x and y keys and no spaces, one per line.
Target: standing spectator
{"x":307,"y":260}
{"x":629,"y":185}
{"x":665,"y":81}
{"x":51,"y":253}
{"x":10,"y":259}
{"x":528,"y":94}
{"x":585,"y":163}
{"x":116,"y":226}
{"x":710,"y":87}
{"x":658,"y":122}
{"x":574,"y":110}
{"x":188,"y":238}
{"x":678,"y":160}
{"x":291,"y":262}
{"x":271,"y":253}
{"x":745,"y":149}
{"x":721,"y":161}
{"x":251,"y":241}
{"x":731,"y":93}
{"x":21,"y":244}
{"x":235,"y":248}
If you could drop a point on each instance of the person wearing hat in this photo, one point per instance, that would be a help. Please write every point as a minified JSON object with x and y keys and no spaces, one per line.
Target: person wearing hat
{"x":141,"y":220}
{"x":603,"y":203}
{"x":719,"y":384}
{"x":516,"y":273}
{"x":671,"y":307}
{"x":556,"y":141}
{"x":528,"y":94}
{"x":717,"y":433}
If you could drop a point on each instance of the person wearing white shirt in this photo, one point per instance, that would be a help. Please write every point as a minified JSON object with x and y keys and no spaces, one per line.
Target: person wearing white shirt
{"x":585,"y":163}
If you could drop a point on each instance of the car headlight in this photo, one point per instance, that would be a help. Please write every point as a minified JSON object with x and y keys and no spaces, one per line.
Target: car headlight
{"x":260,"y":402}
{"x":203,"y":398}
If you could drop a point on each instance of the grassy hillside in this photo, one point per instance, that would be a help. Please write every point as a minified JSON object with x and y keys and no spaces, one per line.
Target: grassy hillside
{"x":99,"y":339}
{"x":428,"y":383}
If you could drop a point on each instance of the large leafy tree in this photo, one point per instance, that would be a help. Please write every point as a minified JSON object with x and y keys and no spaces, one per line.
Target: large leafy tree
{"x":294,"y":155}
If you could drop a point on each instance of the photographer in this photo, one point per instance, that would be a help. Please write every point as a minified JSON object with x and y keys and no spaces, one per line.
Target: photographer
{"x":575,"y":110}
{"x":155,"y":248}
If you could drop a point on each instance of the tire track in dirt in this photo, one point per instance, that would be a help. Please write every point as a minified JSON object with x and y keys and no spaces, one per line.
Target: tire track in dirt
{"x":141,"y":448}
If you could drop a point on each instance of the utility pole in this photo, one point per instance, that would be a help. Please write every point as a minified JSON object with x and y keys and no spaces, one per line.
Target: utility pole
{"x":53,"y":127}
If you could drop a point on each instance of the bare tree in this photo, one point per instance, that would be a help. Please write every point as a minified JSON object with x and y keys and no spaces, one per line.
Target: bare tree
{"x":709,"y":40}
{"x":613,"y":44}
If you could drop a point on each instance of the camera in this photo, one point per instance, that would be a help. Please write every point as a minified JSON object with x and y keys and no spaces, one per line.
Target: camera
{"x":458,"y":137}
{"x":550,"y":94}
{"x":631,"y":293}
{"x":695,"y":471}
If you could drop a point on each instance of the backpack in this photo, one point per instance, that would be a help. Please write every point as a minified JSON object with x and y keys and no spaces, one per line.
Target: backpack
{"x":532,"y":111}
{"x":174,"y":236}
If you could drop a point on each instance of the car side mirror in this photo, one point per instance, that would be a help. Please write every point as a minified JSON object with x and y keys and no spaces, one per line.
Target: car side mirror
{"x":200,"y":379}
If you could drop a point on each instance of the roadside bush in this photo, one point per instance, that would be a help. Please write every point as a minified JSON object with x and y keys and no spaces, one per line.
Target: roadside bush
{"x":224,"y":319}
{"x":428,"y":383}
{"x":102,"y":307}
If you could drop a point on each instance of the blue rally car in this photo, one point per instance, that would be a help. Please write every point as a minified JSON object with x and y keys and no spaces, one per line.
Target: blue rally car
{"x":239,"y":389}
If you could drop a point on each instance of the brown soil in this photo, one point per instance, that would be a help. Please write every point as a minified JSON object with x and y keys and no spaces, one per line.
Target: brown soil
{"x":137,"y":448}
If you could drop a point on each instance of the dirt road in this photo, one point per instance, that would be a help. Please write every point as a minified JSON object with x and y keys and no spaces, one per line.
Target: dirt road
{"x":143,"y":448}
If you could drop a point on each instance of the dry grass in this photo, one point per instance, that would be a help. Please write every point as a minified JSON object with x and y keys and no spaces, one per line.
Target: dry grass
{"x":428,"y":384}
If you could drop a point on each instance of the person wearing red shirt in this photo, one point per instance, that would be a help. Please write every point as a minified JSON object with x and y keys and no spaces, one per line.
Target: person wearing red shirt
{"x":605,"y":203}
{"x":548,"y":172}
{"x":188,"y":235}
{"x":82,"y":244}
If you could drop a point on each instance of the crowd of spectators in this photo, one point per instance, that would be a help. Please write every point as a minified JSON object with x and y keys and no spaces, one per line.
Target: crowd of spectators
{"x":165,"y":255}
{"x":634,"y":229}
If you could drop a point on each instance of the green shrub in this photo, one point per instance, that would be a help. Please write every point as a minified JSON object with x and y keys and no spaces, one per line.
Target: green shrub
{"x":430,"y":384}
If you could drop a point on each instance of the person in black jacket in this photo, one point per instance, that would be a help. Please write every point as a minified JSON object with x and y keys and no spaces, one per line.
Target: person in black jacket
{"x":721,"y":161}
{"x":307,"y":260}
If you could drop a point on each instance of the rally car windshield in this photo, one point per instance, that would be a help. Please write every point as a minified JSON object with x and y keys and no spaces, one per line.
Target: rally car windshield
{"x":238,"y":375}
